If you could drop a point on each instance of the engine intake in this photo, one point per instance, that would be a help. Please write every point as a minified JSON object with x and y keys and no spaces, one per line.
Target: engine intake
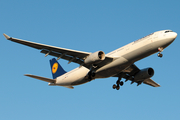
{"x":95,"y":58}
{"x":144,"y":74}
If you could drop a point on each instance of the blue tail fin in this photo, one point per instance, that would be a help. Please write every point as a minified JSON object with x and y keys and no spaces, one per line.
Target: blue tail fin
{"x":56,"y":68}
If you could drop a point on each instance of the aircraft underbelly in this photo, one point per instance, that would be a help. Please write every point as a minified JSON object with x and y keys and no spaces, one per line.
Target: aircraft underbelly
{"x":111,"y":71}
{"x":113,"y":68}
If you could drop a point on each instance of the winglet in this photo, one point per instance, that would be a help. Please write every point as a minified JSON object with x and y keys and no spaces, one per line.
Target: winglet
{"x":6,"y":36}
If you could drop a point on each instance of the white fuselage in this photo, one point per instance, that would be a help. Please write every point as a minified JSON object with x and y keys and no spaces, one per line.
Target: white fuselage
{"x":122,"y":58}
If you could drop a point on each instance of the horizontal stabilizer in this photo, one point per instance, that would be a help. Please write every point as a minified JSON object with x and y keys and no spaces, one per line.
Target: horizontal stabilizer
{"x":151,"y":83}
{"x":41,"y":78}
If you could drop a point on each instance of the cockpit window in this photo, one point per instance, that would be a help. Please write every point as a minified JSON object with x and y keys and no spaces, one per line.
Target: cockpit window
{"x":168,"y":31}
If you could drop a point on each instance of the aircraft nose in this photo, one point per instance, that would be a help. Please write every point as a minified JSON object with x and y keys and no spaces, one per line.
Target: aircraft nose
{"x":174,"y":35}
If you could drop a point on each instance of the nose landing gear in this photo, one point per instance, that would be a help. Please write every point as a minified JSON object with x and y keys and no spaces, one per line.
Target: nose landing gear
{"x":160,"y":49}
{"x":160,"y":55}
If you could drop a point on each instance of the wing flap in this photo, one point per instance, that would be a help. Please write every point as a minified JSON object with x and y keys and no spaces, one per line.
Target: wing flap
{"x":41,"y":78}
{"x":63,"y":56}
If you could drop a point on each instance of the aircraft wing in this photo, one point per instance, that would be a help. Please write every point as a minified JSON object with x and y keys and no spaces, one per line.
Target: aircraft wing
{"x":151,"y":83}
{"x":133,"y":69}
{"x":67,"y":54}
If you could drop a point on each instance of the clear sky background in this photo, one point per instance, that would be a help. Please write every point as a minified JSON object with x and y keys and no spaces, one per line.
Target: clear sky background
{"x":86,"y":25}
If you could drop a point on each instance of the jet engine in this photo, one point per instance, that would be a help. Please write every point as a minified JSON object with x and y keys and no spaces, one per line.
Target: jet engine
{"x":144,"y":74}
{"x":95,"y":58}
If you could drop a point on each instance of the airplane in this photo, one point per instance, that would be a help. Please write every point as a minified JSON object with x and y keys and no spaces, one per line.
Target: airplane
{"x":118,"y":63}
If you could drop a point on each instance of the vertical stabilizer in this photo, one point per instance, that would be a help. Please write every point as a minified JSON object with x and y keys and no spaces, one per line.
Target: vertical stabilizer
{"x":56,"y":68}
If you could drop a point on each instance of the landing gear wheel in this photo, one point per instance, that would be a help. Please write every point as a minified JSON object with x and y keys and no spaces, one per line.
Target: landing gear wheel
{"x":118,"y":87}
{"x":91,"y":75}
{"x":121,"y":83}
{"x":114,"y":86}
{"x":160,"y":55}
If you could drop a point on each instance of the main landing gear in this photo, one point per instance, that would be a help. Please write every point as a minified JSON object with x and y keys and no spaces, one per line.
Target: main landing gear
{"x":91,"y":75}
{"x":118,"y":84}
{"x":160,"y":49}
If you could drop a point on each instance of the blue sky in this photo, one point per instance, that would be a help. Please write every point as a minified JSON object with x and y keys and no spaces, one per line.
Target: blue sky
{"x":86,"y":26}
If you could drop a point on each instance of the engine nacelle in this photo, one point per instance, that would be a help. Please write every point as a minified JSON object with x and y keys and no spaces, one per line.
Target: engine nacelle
{"x":95,"y":58}
{"x":144,"y":74}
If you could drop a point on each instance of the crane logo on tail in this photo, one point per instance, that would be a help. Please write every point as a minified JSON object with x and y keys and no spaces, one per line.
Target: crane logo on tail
{"x":54,"y":68}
